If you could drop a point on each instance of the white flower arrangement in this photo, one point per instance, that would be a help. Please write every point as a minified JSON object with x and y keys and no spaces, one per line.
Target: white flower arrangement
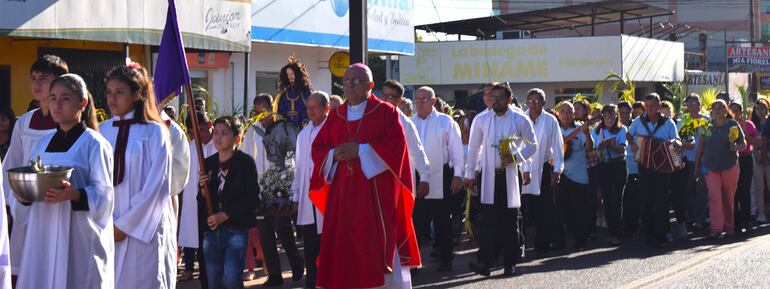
{"x":275,"y":187}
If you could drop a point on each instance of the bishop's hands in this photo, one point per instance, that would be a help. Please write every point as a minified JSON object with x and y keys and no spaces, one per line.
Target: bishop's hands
{"x":119,"y":234}
{"x":526,"y":178}
{"x":346,"y":151}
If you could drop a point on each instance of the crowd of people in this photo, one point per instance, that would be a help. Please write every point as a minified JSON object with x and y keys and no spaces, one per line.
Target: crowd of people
{"x":372,"y":180}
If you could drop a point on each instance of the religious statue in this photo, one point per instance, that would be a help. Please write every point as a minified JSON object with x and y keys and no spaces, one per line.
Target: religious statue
{"x":294,"y":89}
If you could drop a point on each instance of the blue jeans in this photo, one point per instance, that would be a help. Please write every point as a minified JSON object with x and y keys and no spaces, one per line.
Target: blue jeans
{"x":225,"y":253}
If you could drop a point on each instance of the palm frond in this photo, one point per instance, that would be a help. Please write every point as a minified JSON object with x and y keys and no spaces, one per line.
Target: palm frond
{"x":677,"y":91}
{"x":708,"y":97}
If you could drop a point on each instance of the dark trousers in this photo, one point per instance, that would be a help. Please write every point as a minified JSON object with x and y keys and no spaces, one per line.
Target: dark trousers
{"x":202,"y":263}
{"x":312,"y":242}
{"x":697,"y":196}
{"x":678,"y":192}
{"x":632,"y":204}
{"x":655,"y":186}
{"x":269,"y":227}
{"x":439,"y":212}
{"x":573,"y":202}
{"x":499,"y":227}
{"x":612,"y":183}
{"x":594,"y":177}
{"x":539,"y":212}
{"x":743,"y":193}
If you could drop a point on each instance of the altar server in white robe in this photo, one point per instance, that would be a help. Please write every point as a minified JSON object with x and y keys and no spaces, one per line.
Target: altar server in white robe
{"x":69,"y":237}
{"x":541,"y":173}
{"x":189,"y":233}
{"x":5,"y":260}
{"x":180,"y":160}
{"x":145,"y":243}
{"x":446,"y":155}
{"x":309,"y":218}
{"x":29,"y":128}
{"x":500,"y":198}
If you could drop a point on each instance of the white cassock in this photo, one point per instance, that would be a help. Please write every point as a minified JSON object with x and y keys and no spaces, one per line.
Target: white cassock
{"x":143,"y":207}
{"x":66,"y":248}
{"x":5,"y":258}
{"x":550,"y":147}
{"x":180,"y":156}
{"x":487,"y":131}
{"x":188,"y":220}
{"x":371,"y":166}
{"x":306,"y":213}
{"x":443,"y":144}
{"x":417,"y":157}
{"x":252,"y":145}
{"x":22,"y":139}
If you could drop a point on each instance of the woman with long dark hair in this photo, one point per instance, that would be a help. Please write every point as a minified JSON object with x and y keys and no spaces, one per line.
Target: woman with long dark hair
{"x":144,"y":219}
{"x":293,"y":92}
{"x":719,"y":153}
{"x":69,"y":237}
{"x":746,"y":163}
{"x":612,"y":150}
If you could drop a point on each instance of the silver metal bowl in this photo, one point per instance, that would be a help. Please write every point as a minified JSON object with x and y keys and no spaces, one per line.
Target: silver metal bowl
{"x":30,"y":186}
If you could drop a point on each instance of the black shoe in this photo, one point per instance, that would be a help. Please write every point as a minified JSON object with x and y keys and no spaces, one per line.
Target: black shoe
{"x":273,"y":281}
{"x":509,"y":271}
{"x":660,"y":245}
{"x":445,"y":267}
{"x":297,"y":274}
{"x":479,"y":268}
{"x":541,"y":254}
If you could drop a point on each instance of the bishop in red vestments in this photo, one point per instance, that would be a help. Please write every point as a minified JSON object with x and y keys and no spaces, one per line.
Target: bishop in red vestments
{"x":362,"y":184}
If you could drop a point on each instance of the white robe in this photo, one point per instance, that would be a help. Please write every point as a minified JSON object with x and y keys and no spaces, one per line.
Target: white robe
{"x":306,"y":213}
{"x":18,"y":155}
{"x":417,"y":157}
{"x":443,"y":144}
{"x":188,"y":220}
{"x":66,"y":248}
{"x":550,"y":146}
{"x":143,"y":208}
{"x":5,"y":258}
{"x":252,"y":145}
{"x":486,"y":132}
{"x":180,"y":160}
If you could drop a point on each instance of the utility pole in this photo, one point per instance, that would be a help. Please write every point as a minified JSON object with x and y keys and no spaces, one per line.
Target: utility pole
{"x":358,"y":30}
{"x":751,"y":23}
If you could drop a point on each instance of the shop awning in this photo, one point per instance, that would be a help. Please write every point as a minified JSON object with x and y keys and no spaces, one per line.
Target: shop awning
{"x":566,"y":17}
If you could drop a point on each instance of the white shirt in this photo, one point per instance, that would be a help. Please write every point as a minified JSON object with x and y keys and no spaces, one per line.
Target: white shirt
{"x":252,"y":145}
{"x":443,"y":145}
{"x":483,"y":151}
{"x":188,"y":219}
{"x":550,"y":147}
{"x":306,"y":213}
{"x":414,"y":144}
{"x":180,"y":160}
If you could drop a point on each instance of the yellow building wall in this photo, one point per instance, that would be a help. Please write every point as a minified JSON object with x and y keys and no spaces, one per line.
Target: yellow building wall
{"x":20,"y":53}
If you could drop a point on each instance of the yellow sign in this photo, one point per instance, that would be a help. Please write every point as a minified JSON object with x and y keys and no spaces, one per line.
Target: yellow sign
{"x":338,"y":63}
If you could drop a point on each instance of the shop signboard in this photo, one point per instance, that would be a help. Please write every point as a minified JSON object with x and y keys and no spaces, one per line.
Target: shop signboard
{"x":572,"y":59}
{"x":222,"y":25}
{"x":325,"y":23}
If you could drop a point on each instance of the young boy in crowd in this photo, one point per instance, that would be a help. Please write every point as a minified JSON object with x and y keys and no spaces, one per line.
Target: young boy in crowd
{"x":231,"y":177}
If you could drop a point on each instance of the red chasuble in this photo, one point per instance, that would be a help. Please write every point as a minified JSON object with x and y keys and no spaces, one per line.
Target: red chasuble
{"x":365,"y":221}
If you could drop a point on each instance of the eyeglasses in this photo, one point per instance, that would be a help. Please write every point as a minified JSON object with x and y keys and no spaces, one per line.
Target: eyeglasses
{"x":352,"y":81}
{"x":422,"y":99}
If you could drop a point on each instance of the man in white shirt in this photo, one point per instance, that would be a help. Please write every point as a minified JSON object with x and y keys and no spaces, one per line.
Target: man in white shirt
{"x":446,"y":157}
{"x":499,"y":190}
{"x":541,"y":174}
{"x":393,"y":93}
{"x":309,"y":218}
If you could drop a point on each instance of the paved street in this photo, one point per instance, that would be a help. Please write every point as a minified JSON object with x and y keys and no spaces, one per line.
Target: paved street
{"x":738,"y":262}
